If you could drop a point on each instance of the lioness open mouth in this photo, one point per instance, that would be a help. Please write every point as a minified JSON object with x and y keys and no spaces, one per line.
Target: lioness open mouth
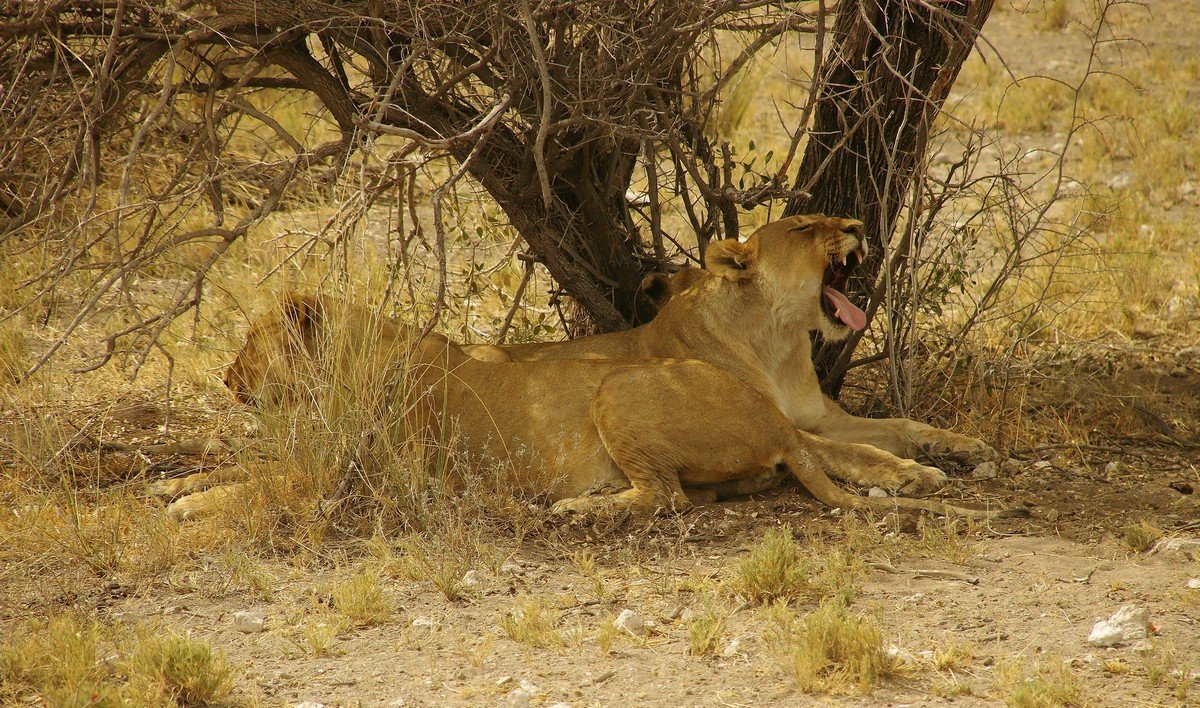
{"x":836,"y":305}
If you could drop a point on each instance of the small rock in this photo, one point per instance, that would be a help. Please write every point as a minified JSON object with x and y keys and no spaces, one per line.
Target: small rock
{"x":1121,"y":180}
{"x":423,"y":623}
{"x":308,"y":704}
{"x":877,"y":493}
{"x":631,"y":623}
{"x":1180,"y":372}
{"x":915,"y":597}
{"x":517,"y":698}
{"x":1127,"y":624}
{"x":985,"y":470}
{"x":529,"y":687}
{"x":1112,"y":467}
{"x":1142,"y":646}
{"x":732,"y":648}
{"x":503,"y":680}
{"x":1193,"y":584}
{"x":248,"y":622}
{"x":1187,"y":546}
{"x":1043,"y":465}
{"x":1185,"y":190}
{"x":560,"y":704}
{"x":510,"y":568}
{"x":471,"y":578}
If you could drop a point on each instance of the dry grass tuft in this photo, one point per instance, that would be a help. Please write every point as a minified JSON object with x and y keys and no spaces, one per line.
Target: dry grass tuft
{"x":706,"y":627}
{"x":1140,"y":537}
{"x":775,"y":570}
{"x":72,"y":660}
{"x":362,"y":599}
{"x":531,"y":621}
{"x":830,"y":650}
{"x":1049,"y":683}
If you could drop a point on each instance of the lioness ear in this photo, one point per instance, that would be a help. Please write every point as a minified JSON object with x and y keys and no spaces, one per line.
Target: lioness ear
{"x":657,"y":289}
{"x":304,"y":313}
{"x":731,"y":259}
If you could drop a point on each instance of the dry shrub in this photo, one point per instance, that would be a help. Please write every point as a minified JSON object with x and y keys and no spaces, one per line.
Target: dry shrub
{"x":776,"y":570}
{"x":1048,"y":683}
{"x":72,"y":660}
{"x":830,"y":650}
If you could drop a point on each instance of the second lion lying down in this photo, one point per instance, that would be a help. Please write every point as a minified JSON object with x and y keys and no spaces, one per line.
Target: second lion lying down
{"x":650,"y":433}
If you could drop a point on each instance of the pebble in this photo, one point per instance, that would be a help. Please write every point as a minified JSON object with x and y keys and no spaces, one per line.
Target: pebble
{"x":631,"y":623}
{"x":517,"y":698}
{"x":877,"y":493}
{"x":471,"y":578}
{"x":423,"y":623}
{"x":1187,"y":546}
{"x":985,"y":470}
{"x":1120,"y":181}
{"x":1043,"y":465}
{"x":248,"y":622}
{"x":1130,"y":623}
{"x":309,"y":704}
{"x":1112,"y":467}
{"x":510,"y":568}
{"x":732,"y":648}
{"x":1193,"y":584}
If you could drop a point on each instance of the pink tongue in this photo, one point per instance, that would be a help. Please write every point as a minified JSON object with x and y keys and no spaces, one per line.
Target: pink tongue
{"x":850,"y":315}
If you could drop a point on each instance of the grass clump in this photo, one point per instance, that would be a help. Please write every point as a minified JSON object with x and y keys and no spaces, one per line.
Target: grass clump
{"x":706,"y":627}
{"x":185,"y":670}
{"x":532,"y":622}
{"x":832,"y":651}
{"x":363,"y":600}
{"x":72,"y":661}
{"x":1048,"y":684}
{"x":776,"y":571}
{"x":1140,"y":537}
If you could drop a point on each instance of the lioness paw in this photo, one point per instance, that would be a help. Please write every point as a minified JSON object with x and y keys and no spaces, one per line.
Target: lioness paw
{"x":957,"y":448}
{"x":916,"y":479}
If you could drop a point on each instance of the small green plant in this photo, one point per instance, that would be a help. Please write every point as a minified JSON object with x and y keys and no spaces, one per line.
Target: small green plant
{"x":363,"y":600}
{"x":531,"y":622}
{"x":585,"y":562}
{"x":832,"y":651}
{"x":776,"y":571}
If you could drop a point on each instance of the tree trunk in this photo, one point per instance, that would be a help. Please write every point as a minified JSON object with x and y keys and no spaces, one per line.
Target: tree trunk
{"x":889,"y":69}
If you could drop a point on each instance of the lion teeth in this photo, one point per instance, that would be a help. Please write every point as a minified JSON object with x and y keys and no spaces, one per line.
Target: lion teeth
{"x":837,"y":312}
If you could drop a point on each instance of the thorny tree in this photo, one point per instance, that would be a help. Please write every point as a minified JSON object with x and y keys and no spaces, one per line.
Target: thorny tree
{"x":551,"y":107}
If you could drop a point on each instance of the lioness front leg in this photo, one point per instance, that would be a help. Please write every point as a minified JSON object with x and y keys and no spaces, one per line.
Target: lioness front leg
{"x":903,"y":437}
{"x":869,"y":466}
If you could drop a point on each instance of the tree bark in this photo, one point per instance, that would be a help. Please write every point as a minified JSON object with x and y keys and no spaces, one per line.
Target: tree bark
{"x":888,"y":72}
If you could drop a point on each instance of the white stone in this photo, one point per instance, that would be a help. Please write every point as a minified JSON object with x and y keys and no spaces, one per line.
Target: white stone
{"x":309,"y":704}
{"x":249,"y":622}
{"x":1042,"y":465}
{"x":1121,"y":180}
{"x":1127,"y":624}
{"x":529,"y":687}
{"x":560,"y":704}
{"x":1177,"y":545}
{"x":1193,"y":584}
{"x":631,"y":623}
{"x":423,"y":623}
{"x":503,"y":680}
{"x":877,"y":493}
{"x":471,"y":578}
{"x":1112,"y":467}
{"x":732,"y":648}
{"x":517,"y":698}
{"x":510,"y":568}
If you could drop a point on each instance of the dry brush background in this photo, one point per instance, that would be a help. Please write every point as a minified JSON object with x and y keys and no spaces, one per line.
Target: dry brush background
{"x":1042,"y":292}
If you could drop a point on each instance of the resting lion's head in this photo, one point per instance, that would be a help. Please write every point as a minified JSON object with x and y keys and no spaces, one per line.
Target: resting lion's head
{"x":801,"y":265}
{"x":277,"y":347}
